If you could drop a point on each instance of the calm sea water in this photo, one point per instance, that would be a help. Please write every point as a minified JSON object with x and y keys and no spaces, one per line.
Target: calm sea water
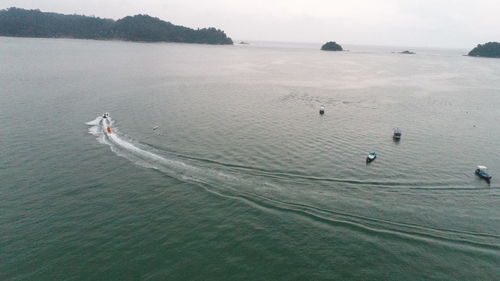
{"x":220,"y":167}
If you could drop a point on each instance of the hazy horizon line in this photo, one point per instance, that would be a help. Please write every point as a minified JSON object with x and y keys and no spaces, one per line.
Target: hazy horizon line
{"x":237,"y":40}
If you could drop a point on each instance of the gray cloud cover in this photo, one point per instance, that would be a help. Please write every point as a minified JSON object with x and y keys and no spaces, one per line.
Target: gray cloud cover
{"x":439,"y":23}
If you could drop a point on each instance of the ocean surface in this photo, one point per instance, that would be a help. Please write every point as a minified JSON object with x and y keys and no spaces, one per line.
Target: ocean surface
{"x":219,"y":166}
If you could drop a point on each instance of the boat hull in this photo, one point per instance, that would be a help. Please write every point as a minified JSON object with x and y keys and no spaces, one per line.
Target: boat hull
{"x":370,"y":158}
{"x":483,"y":175}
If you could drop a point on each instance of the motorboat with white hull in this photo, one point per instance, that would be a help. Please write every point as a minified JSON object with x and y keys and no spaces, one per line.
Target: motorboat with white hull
{"x":371,"y":156}
{"x":481,"y":172}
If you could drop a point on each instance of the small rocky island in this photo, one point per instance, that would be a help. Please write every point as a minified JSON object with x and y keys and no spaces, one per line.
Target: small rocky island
{"x":407,"y":52}
{"x":142,"y":28}
{"x":331,"y":46}
{"x":488,"y":50}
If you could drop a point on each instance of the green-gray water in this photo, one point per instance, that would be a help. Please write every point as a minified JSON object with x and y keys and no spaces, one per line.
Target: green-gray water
{"x":220,"y":167}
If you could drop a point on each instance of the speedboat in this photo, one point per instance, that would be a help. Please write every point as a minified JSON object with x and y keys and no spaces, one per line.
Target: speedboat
{"x":397,"y":133}
{"x":481,"y":172}
{"x":371,"y":156}
{"x":106,"y":123}
{"x":322,"y":110}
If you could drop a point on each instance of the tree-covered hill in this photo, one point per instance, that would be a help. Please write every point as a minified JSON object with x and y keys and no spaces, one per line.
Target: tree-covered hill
{"x":331,"y":46}
{"x":489,"y":50}
{"x":34,"y":23}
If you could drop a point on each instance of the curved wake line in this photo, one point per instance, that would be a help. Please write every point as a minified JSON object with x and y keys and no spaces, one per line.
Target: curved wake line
{"x":286,"y":176}
{"x":206,"y":178}
{"x":417,"y":229}
{"x":346,"y":220}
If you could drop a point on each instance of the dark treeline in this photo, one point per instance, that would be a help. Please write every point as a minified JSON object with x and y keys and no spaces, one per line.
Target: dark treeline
{"x":34,"y":23}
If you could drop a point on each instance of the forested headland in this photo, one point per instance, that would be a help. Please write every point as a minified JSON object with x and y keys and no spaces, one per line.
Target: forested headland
{"x":35,"y":23}
{"x":489,"y":50}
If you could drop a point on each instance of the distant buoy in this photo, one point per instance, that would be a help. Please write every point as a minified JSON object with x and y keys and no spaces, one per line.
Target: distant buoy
{"x":109,"y":130}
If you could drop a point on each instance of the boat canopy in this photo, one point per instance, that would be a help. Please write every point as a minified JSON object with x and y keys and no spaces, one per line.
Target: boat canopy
{"x":482,"y":167}
{"x":397,"y":131}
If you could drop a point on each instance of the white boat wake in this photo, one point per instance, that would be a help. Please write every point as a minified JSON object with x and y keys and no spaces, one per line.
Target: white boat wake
{"x":149,"y":157}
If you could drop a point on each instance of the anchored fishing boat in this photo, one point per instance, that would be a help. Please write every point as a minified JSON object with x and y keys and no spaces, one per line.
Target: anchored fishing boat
{"x":371,"y":156}
{"x":481,"y":172}
{"x":397,"y":134}
{"x":322,"y":110}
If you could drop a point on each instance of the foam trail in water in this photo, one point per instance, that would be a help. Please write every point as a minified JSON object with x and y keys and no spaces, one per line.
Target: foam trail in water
{"x":97,"y":128}
{"x":94,"y":122}
{"x":144,"y":157}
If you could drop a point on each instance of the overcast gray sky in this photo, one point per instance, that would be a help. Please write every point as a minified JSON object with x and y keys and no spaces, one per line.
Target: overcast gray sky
{"x":438,"y":23}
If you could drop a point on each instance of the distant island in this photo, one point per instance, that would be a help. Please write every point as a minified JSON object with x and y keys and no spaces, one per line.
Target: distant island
{"x":407,"y":52}
{"x":244,"y":43}
{"x":488,"y":50}
{"x":34,"y":23}
{"x":331,"y":46}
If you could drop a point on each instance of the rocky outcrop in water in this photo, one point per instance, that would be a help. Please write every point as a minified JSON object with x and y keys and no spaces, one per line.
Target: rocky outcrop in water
{"x":407,"y":52}
{"x":331,"y":46}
